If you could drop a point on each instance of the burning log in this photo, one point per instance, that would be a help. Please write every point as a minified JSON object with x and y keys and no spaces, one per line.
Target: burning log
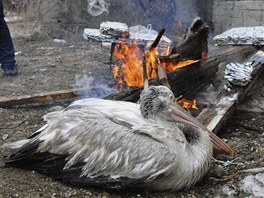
{"x":186,"y":79}
{"x":193,"y":45}
{"x":194,"y":42}
{"x":191,"y":78}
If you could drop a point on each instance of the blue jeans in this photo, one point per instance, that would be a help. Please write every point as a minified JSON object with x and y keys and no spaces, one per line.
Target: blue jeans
{"x":7,"y":52}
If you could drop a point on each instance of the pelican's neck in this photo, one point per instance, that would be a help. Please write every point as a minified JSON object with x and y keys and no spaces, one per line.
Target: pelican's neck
{"x":194,"y":162}
{"x":197,"y":160}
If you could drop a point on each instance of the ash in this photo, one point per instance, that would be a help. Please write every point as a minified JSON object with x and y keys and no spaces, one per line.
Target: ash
{"x":254,"y":185}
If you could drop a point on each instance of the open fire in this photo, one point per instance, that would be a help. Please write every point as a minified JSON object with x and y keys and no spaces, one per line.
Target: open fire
{"x":136,"y":62}
{"x":188,"y":104}
{"x":129,"y":69}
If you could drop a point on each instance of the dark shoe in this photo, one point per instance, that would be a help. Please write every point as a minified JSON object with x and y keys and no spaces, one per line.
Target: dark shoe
{"x":10,"y":70}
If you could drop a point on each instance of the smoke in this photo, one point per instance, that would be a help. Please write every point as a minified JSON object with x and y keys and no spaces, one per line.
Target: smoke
{"x":160,"y":14}
{"x":93,"y":87}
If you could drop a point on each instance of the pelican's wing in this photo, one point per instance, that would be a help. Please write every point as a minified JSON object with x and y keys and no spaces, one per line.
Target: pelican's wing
{"x":85,"y":146}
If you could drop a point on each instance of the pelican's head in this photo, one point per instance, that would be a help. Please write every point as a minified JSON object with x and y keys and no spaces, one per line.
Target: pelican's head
{"x":160,"y":99}
{"x":155,"y":99}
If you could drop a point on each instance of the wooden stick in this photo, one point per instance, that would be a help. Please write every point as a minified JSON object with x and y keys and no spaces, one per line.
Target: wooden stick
{"x":144,"y":65}
{"x":157,"y":40}
{"x":145,"y":75}
{"x":153,"y":46}
{"x":162,"y":75}
{"x":113,"y":44}
{"x":254,"y":170}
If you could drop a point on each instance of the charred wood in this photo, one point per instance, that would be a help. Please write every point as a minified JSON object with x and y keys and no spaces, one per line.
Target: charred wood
{"x":157,"y":40}
{"x":186,"y":79}
{"x":193,"y":45}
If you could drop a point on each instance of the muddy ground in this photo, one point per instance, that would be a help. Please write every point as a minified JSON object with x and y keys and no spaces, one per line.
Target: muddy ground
{"x":45,"y":65}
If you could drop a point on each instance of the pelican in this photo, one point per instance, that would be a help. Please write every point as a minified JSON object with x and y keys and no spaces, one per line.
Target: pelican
{"x":116,"y":144}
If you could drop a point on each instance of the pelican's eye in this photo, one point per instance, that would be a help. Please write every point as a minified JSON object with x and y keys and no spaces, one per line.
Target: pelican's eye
{"x":171,"y":97}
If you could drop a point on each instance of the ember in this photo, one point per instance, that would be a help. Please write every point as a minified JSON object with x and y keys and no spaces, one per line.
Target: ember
{"x":129,"y":69}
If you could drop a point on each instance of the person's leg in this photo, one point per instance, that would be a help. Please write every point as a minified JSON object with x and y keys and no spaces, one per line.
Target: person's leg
{"x":7,"y":53}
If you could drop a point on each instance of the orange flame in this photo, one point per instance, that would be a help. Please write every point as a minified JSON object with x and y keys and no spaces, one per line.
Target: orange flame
{"x":188,"y":104}
{"x":130,"y":67}
{"x":131,"y":70}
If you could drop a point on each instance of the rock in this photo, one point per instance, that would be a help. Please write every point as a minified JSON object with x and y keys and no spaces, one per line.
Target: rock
{"x":249,"y":157}
{"x":59,"y":41}
{"x":5,"y":136}
{"x":56,"y":108}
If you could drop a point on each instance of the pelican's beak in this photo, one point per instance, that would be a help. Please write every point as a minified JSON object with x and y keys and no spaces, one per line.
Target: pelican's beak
{"x":219,"y":146}
{"x":178,"y":114}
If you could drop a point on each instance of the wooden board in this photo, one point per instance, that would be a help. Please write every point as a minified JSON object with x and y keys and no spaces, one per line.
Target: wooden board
{"x":224,"y":104}
{"x":232,"y":53}
{"x":38,"y":98}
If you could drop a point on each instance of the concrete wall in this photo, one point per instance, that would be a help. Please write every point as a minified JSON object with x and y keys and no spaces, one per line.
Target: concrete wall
{"x":228,"y":14}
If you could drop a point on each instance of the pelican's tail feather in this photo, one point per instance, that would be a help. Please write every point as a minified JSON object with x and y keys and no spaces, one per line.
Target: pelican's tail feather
{"x":15,"y":145}
{"x":21,"y":151}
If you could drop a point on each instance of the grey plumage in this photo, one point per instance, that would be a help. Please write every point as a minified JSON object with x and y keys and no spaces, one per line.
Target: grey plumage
{"x":117,"y":144}
{"x":155,"y":99}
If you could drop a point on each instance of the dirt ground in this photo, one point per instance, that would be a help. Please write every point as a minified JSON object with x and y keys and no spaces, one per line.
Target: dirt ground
{"x":46,"y":65}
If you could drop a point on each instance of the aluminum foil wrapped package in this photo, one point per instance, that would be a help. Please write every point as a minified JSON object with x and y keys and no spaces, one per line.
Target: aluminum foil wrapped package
{"x":239,"y":73}
{"x":241,"y":36}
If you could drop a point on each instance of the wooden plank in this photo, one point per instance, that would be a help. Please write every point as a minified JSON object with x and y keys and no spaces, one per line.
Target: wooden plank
{"x":39,"y":98}
{"x":233,"y":53}
{"x":224,"y":104}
